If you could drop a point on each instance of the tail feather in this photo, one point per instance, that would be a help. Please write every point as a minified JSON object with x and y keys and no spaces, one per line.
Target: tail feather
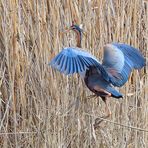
{"x":114,"y":93}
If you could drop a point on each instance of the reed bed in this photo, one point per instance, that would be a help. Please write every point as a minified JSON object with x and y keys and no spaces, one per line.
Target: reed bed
{"x":39,"y":107}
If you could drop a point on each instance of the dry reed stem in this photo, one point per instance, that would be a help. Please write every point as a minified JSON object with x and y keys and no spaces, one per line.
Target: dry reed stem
{"x":33,"y":97}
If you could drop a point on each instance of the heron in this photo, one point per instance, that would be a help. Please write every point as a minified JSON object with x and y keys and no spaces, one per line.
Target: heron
{"x":101,"y":78}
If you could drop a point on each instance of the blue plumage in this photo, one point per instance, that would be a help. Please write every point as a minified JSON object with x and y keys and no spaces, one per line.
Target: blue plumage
{"x":118,"y":62}
{"x":121,"y":61}
{"x":135,"y":58}
{"x":73,"y":60}
{"x":114,"y":92}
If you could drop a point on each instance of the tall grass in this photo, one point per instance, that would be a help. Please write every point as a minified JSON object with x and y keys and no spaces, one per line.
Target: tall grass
{"x":39,"y":107}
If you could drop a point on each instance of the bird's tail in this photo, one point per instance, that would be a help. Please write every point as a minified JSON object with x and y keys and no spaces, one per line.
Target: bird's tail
{"x":115,"y":93}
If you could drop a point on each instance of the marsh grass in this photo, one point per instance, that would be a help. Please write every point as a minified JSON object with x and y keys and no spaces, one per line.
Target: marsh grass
{"x":39,"y":107}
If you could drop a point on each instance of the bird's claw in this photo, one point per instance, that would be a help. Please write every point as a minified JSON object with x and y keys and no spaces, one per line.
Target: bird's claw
{"x":98,"y":121}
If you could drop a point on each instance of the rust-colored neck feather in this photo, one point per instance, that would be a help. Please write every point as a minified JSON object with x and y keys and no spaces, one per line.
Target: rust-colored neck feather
{"x":78,"y":37}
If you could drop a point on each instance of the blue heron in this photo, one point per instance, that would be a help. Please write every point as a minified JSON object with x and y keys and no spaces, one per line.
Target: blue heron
{"x":118,"y":61}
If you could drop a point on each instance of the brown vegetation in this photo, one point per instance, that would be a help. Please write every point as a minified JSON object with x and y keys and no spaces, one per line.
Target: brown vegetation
{"x":39,"y":107}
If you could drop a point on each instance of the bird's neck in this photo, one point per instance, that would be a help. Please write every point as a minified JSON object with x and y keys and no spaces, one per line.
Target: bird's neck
{"x":78,"y":37}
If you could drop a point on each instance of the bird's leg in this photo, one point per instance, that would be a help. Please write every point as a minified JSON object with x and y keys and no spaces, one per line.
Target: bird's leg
{"x":104,"y":117}
{"x":107,"y":109}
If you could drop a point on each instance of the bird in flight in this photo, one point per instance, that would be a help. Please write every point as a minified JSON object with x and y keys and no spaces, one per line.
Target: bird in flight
{"x":118,"y":61}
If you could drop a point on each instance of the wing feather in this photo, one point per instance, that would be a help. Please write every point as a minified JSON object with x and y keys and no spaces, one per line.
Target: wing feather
{"x":119,"y":60}
{"x":74,"y":60}
{"x":62,"y":61}
{"x":134,"y":56}
{"x":85,"y":61}
{"x":68,"y":67}
{"x":80,"y":65}
{"x":63,"y":65}
{"x":72,"y":66}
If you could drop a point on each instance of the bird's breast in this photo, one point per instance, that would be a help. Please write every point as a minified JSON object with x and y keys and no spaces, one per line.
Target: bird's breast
{"x":92,"y":80}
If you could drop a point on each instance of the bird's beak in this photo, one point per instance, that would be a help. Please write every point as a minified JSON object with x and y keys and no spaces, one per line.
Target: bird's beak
{"x":65,"y":31}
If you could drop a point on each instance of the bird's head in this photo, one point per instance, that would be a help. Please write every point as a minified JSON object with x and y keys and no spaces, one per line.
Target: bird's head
{"x":78,"y":30}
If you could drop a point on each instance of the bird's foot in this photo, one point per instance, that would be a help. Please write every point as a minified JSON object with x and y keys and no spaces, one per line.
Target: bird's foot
{"x":98,"y":121}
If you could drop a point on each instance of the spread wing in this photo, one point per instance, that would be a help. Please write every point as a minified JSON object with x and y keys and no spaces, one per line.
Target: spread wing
{"x":74,"y":60}
{"x":119,"y":60}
